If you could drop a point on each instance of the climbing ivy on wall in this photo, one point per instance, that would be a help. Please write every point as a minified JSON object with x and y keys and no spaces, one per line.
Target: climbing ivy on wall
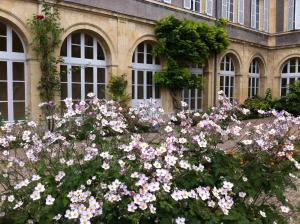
{"x":183,"y":43}
{"x":46,"y":30}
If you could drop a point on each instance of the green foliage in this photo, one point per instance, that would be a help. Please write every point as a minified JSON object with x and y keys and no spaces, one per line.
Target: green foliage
{"x":46,"y":30}
{"x":259,"y":103}
{"x":117,"y":89}
{"x":291,"y":102}
{"x":183,"y":43}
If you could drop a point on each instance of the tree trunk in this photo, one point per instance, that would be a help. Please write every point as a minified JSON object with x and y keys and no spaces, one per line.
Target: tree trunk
{"x":176,"y":99}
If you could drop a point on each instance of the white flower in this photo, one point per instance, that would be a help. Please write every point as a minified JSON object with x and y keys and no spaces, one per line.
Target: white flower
{"x":180,"y":220}
{"x":35,"y":195}
{"x":242,"y":194}
{"x":39,"y":188}
{"x":168,"y":129}
{"x":184,"y":104}
{"x":245,"y":179}
{"x":247,"y":142}
{"x":263,"y":214}
{"x":35,"y":177}
{"x":18,"y":205}
{"x":285,"y":209}
{"x":59,"y":176}
{"x":57,"y":217}
{"x":50,"y":200}
{"x":10,"y":198}
{"x":105,"y":166}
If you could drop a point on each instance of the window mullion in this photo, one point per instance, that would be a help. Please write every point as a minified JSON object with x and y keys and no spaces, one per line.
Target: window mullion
{"x":69,"y":79}
{"x":95,"y":80}
{"x":10,"y":91}
{"x":82,"y":82}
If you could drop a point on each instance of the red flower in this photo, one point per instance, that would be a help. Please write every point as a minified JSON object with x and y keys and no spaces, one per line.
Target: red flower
{"x":39,"y":17}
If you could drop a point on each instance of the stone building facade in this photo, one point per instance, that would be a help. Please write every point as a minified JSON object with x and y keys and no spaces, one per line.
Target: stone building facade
{"x":112,"y":37}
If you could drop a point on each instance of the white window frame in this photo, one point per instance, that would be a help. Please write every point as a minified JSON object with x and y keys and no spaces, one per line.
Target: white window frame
{"x":255,"y":20}
{"x":289,"y":75}
{"x":10,"y":57}
{"x":83,"y":62}
{"x":253,"y":82}
{"x":241,"y":11}
{"x":167,"y":1}
{"x":195,"y":96}
{"x":266,"y":15}
{"x":226,"y":9}
{"x":191,"y":5}
{"x":291,"y":14}
{"x":209,"y":7}
{"x":144,"y":67}
{"x":297,"y":14}
{"x":227,"y":74}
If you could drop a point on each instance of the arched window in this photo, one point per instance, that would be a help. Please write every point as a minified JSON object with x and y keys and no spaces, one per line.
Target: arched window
{"x":84,"y":67}
{"x":253,"y":81}
{"x":144,"y":66}
{"x":12,"y":75}
{"x":289,"y":74}
{"x":227,"y":73}
{"x":194,"y":97}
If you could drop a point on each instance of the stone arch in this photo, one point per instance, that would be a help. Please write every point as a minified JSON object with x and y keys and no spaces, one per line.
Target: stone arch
{"x":101,"y":35}
{"x":236,"y":60}
{"x":18,"y":25}
{"x":262,"y":63}
{"x":282,"y":62}
{"x":147,"y":37}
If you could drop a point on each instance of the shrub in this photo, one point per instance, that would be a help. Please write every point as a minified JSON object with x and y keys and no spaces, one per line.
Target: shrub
{"x":291,"y":102}
{"x":183,"y":175}
{"x":117,"y":89}
{"x":257,"y":104}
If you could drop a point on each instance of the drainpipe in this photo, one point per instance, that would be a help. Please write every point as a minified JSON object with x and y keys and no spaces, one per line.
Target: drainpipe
{"x":215,"y":62}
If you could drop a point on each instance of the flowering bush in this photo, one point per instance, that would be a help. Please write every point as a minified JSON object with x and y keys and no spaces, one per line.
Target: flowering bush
{"x":92,"y":169}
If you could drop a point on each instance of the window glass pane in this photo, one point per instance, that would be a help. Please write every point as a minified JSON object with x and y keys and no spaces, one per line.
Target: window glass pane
{"x":149,"y":48}
{"x":76,"y":91}
{"x":199,"y":103}
{"x":193,"y":104}
{"x":227,"y":66}
{"x":141,"y":48}
{"x":3,"y":70}
{"x":227,"y":91}
{"x":157,"y":92}
{"x":283,"y":91}
{"x":100,"y":53}
{"x":140,"y":92}
{"x":132,"y":84}
{"x":284,"y":70}
{"x":232,"y":81}
{"x":149,"y":59}
{"x":133,"y":57}
{"x":232,"y":66}
{"x":19,"y":110}
{"x":76,"y":74}
{"x":89,"y":52}
{"x":17,"y":45}
{"x":19,"y":91}
{"x":149,"y":78}
{"x":226,"y":80}
{"x":89,"y":88}
{"x":101,"y":91}
{"x":64,"y":91}
{"x":2,"y":29}
{"x":283,"y":82}
{"x":76,"y":38}
{"x":88,"y":40}
{"x":292,"y":80}
{"x":3,"y":46}
{"x":231,"y":92}
{"x":3,"y":91}
{"x":101,"y":75}
{"x":63,"y":73}
{"x":221,"y":80}
{"x":76,"y":53}
{"x":18,"y":71}
{"x":3,"y":110}
{"x":89,"y":75}
{"x":140,"y":77}
{"x":149,"y":92}
{"x":63,"y":50}
{"x":140,"y":57}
